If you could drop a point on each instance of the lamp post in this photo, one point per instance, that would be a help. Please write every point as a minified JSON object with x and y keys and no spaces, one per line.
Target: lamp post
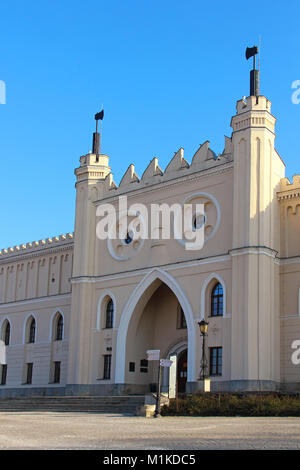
{"x":203,"y":325}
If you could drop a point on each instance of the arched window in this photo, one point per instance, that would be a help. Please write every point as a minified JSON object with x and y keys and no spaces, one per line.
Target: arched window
{"x":31,"y":335}
{"x":109,"y":320}
{"x":59,"y":328}
{"x":5,"y":334}
{"x":217,"y":301}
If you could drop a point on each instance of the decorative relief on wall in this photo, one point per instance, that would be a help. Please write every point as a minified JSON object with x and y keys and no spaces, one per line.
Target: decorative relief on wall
{"x":209,"y":220}
{"x":125,"y":246}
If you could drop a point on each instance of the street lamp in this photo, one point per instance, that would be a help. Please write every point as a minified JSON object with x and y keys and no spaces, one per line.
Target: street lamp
{"x":203,"y":325}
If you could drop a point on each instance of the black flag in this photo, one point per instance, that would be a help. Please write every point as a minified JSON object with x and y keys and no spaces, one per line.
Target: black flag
{"x":251,"y":51}
{"x":99,"y":115}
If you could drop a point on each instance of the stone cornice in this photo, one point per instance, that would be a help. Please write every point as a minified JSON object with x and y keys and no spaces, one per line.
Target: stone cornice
{"x":290,"y":194}
{"x":47,"y":298}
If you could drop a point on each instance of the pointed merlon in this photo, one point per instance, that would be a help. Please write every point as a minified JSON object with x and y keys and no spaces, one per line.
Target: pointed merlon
{"x":109,"y":182}
{"x":178,"y":162}
{"x":152,"y":170}
{"x":129,"y":176}
{"x":227,"y":148}
{"x":201,"y":154}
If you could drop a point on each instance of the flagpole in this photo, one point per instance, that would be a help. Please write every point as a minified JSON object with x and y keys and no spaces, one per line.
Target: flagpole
{"x":100,"y":136}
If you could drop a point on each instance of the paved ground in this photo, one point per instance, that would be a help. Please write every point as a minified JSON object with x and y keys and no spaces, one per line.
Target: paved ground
{"x":45,"y":430}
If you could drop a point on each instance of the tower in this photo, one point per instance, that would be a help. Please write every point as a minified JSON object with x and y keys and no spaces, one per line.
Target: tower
{"x":90,"y":176}
{"x":255,"y":271}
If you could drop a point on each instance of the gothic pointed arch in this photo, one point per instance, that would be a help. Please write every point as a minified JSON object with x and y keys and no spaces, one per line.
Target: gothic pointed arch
{"x":141,"y":289}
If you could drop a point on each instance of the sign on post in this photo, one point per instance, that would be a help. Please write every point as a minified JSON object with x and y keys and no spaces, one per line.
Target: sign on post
{"x":153,"y":354}
{"x":173,"y":377}
{"x":2,"y":352}
{"x":166,"y":362}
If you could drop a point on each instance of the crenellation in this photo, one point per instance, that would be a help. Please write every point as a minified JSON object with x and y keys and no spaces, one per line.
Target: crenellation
{"x":152,"y":170}
{"x":178,"y":162}
{"x":204,"y":158}
{"x":289,"y":190}
{"x":30,"y":246}
{"x":129,"y":176}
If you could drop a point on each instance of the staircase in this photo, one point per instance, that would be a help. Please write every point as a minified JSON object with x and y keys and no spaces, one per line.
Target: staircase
{"x":106,"y":404}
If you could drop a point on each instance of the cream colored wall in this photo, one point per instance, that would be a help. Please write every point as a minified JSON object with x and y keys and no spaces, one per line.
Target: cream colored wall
{"x":289,"y":202}
{"x":39,"y":274}
{"x":255,"y":309}
{"x":253,"y":252}
{"x":191,"y":278}
{"x":94,"y":265}
{"x":44,"y":351}
{"x":35,"y":281}
{"x":219,"y":185}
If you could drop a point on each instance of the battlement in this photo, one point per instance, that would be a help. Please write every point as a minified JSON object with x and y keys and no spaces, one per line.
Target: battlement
{"x":32,"y":246}
{"x":203,"y":159}
{"x":289,"y":190}
{"x":253,"y":103}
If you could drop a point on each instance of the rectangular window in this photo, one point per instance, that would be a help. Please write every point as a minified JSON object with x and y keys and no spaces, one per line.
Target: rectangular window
{"x":181,"y":321}
{"x":56,"y":372}
{"x":107,"y":367}
{"x":29,"y":373}
{"x":131,"y":366}
{"x":215,"y":362}
{"x":144,"y":366}
{"x":3,"y":374}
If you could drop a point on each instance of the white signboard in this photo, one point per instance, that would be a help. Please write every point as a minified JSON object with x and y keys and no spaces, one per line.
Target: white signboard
{"x":153,"y":354}
{"x":2,"y":352}
{"x":166,"y":362}
{"x":172,"y":377}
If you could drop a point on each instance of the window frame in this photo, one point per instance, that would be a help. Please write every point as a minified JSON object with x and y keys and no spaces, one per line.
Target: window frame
{"x":220,"y":301}
{"x":56,"y":372}
{"x":181,"y":320}
{"x":29,"y":373}
{"x":7,"y":334}
{"x":106,"y":366}
{"x":216,"y":370}
{"x":32,"y":331}
{"x":59,"y":327}
{"x":3,"y":374}
{"x":109,"y":314}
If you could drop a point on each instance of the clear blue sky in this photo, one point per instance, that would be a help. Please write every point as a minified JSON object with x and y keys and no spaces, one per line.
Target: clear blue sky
{"x":167,"y":72}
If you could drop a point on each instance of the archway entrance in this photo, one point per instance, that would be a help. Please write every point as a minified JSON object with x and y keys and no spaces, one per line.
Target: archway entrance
{"x":156,"y":323}
{"x":182,"y":371}
{"x":135,"y":306}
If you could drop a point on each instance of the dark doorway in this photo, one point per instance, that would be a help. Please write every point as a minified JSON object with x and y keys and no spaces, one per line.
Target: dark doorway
{"x":182,"y":371}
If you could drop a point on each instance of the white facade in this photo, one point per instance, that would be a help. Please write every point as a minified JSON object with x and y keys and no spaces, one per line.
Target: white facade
{"x":118,"y":299}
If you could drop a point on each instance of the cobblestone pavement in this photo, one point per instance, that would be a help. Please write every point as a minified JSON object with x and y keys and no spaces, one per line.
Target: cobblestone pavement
{"x":45,"y":430}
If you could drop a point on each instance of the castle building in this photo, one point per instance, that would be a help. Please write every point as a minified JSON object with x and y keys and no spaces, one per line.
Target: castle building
{"x":78,"y":313}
